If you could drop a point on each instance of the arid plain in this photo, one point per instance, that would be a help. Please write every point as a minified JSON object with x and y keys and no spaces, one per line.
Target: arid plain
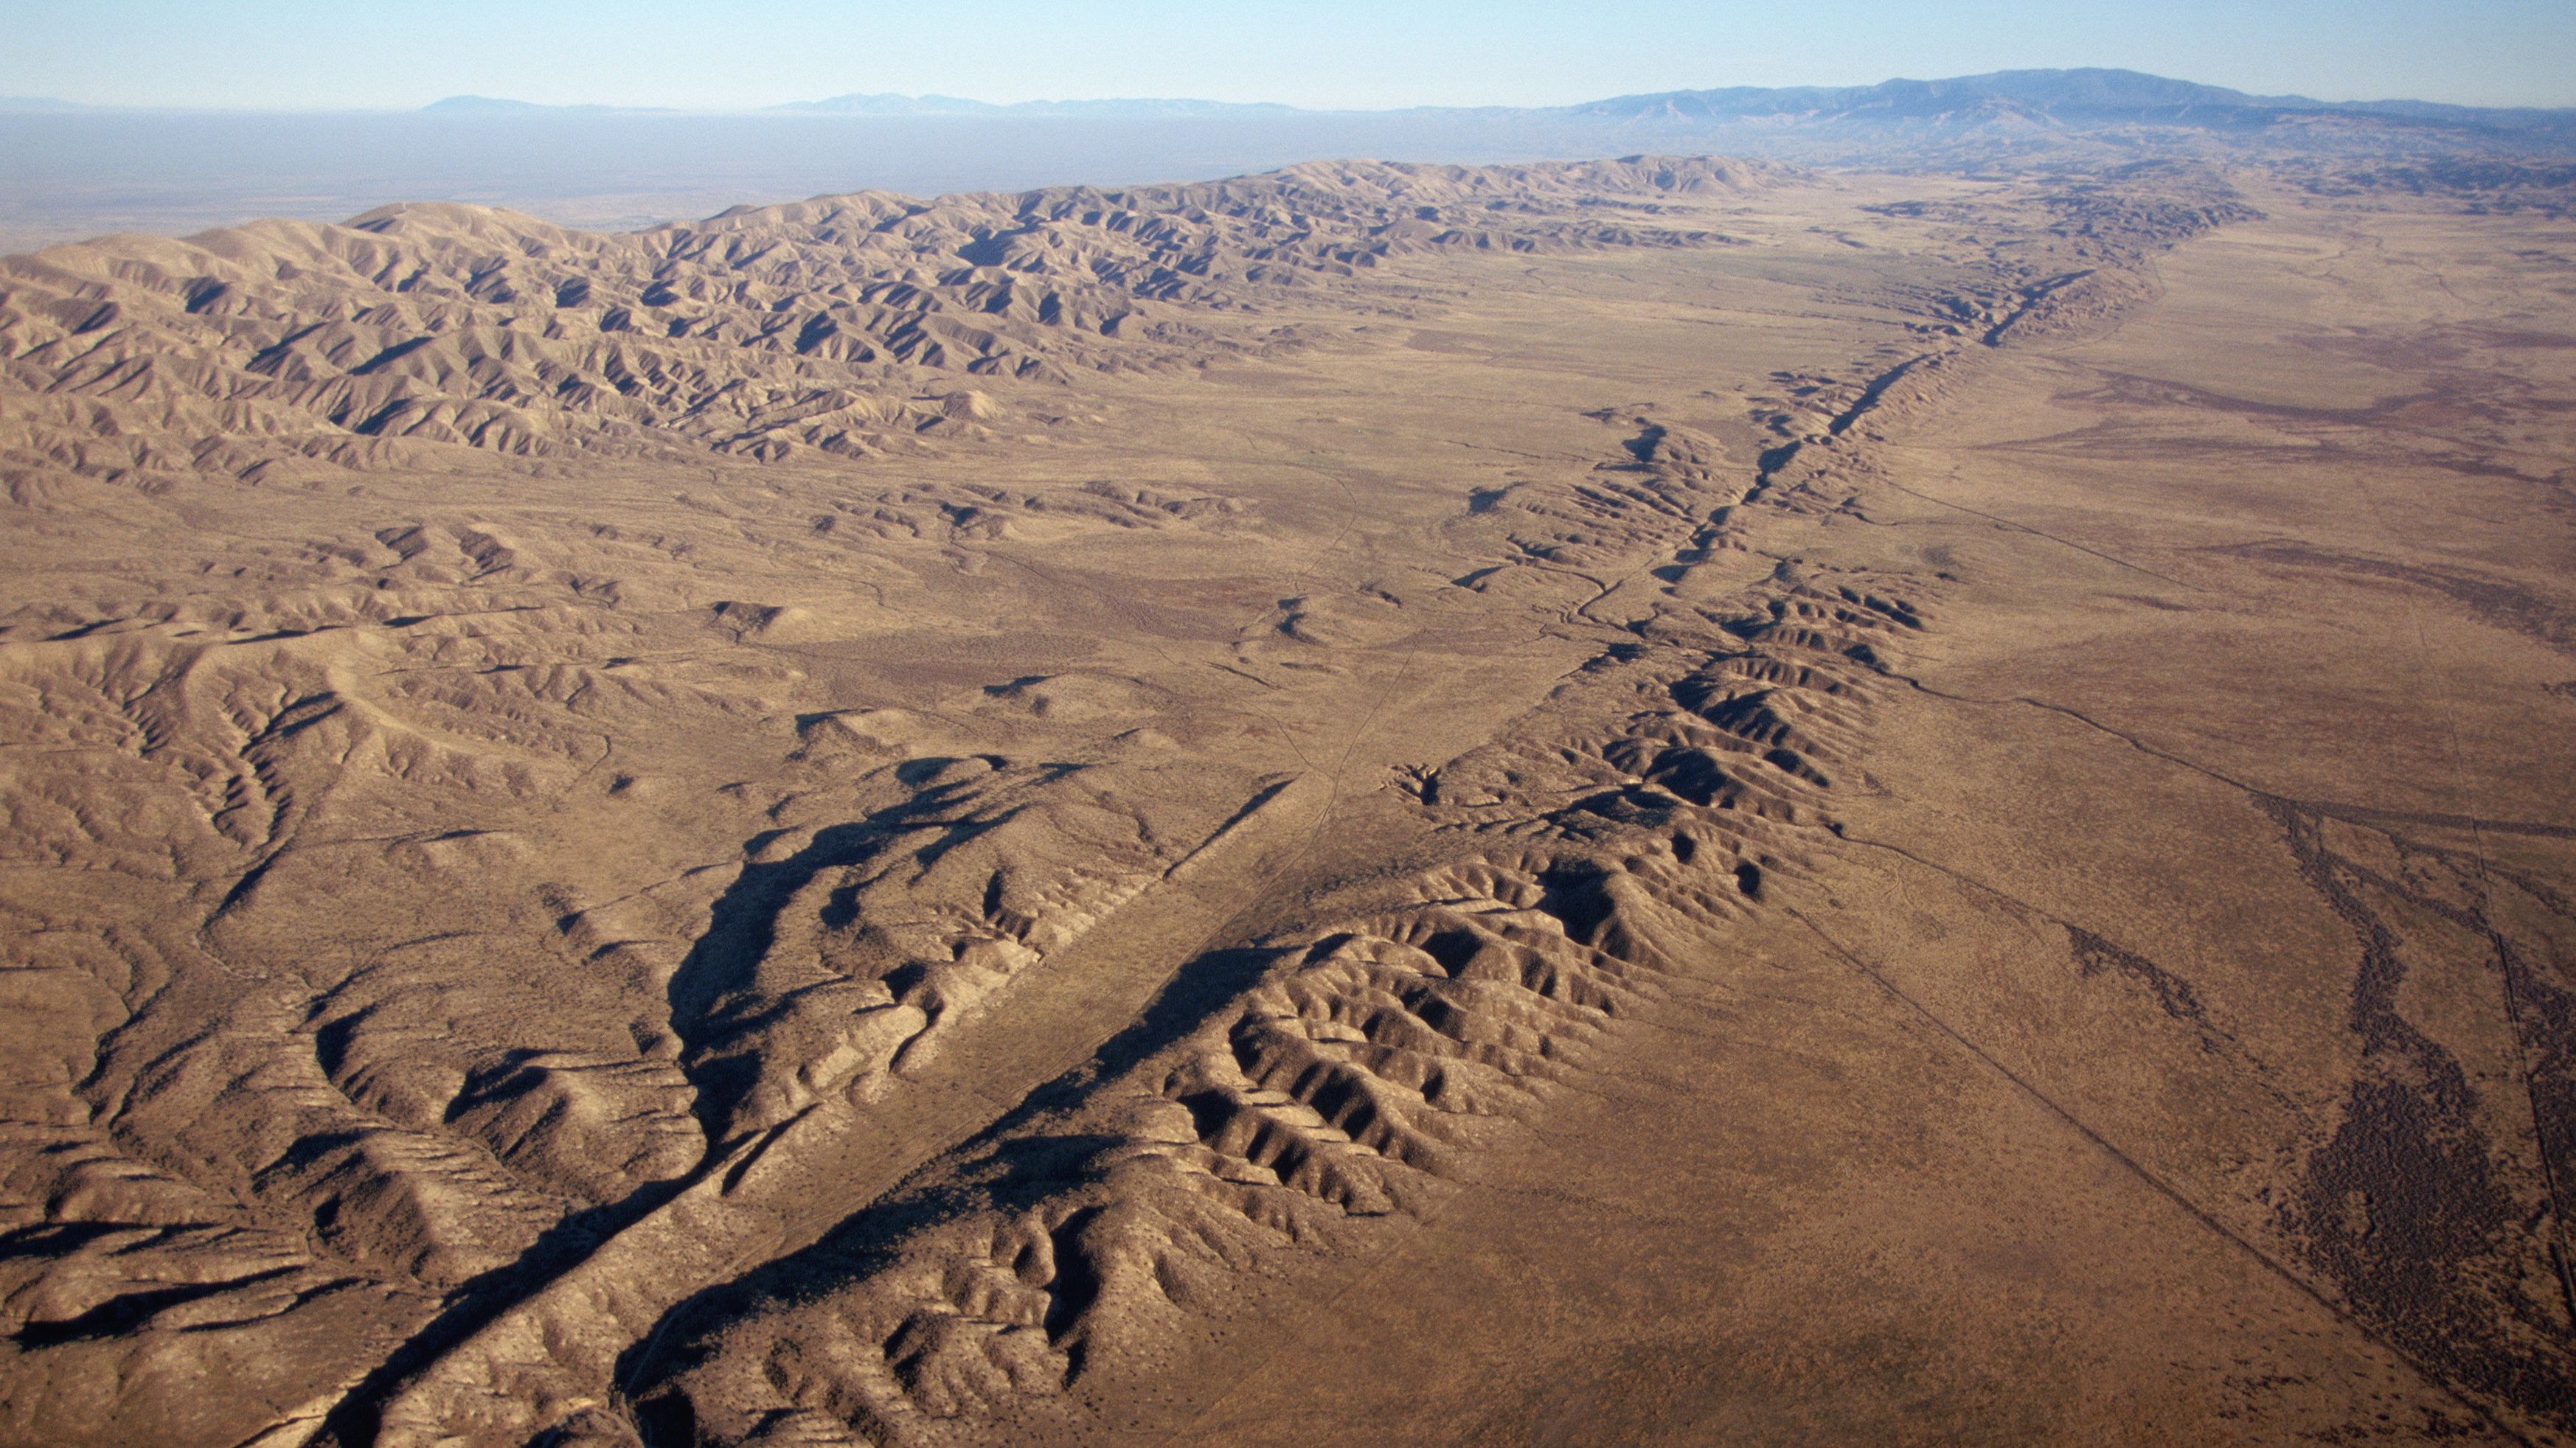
{"x":1668,"y":800}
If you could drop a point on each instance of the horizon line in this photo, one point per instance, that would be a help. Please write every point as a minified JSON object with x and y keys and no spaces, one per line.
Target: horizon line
{"x":812,"y":106}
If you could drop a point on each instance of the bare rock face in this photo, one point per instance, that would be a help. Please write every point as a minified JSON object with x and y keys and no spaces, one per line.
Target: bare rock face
{"x":1656,"y":800}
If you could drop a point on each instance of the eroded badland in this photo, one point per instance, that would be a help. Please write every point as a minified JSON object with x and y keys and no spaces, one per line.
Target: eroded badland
{"x":1668,"y":800}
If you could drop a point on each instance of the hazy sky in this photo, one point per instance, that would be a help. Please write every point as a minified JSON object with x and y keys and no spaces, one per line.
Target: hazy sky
{"x":296,"y":54}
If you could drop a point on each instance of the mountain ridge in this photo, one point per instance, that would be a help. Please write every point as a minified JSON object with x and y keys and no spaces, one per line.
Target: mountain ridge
{"x":1949,"y":111}
{"x":2089,"y":92}
{"x":2094,"y":90}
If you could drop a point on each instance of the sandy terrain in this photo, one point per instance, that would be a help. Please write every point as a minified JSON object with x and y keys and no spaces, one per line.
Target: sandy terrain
{"x":1672,"y":801}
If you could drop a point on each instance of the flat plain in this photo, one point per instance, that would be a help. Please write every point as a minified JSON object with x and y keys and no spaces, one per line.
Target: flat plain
{"x":1667,"y":800}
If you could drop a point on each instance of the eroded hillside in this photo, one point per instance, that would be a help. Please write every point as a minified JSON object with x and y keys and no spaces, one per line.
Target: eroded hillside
{"x":1019,"y":818}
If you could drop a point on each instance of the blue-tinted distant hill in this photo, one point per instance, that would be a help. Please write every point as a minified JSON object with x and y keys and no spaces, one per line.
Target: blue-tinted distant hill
{"x":2093,"y":95}
{"x":1137,"y":109}
{"x":494,"y":106}
{"x":2072,"y":100}
{"x":1981,"y":119}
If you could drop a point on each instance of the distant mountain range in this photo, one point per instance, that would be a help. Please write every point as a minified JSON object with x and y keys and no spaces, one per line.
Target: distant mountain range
{"x":1961,"y":116}
{"x":80,"y":170}
{"x":489,"y":105}
{"x":2083,"y":96}
{"x":2001,"y":118}
{"x":896,"y":105}
{"x":2090,"y":96}
{"x":2055,"y":100}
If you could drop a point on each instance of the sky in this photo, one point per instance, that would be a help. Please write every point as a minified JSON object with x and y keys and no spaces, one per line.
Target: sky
{"x":708,"y":54}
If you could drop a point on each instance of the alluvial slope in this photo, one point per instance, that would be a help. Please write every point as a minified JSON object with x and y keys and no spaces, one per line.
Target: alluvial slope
{"x":1367,"y":1060}
{"x":1055,"y":816}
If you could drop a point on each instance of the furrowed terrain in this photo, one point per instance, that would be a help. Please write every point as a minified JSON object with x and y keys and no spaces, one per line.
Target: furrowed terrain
{"x":1664,"y":800}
